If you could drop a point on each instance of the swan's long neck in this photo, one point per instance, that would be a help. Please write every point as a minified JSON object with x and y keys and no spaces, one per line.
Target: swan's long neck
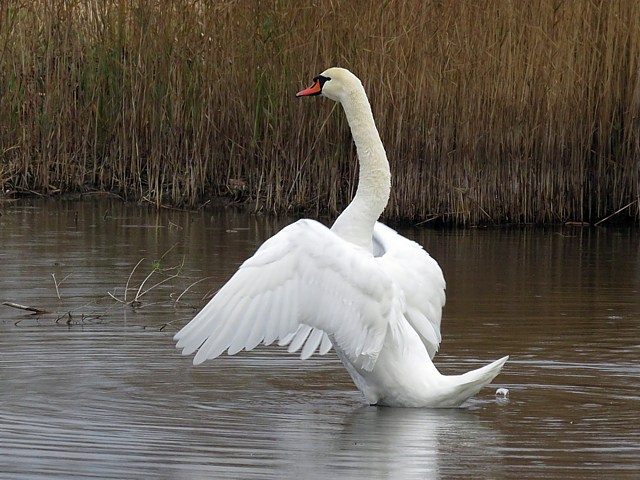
{"x":356,"y":222}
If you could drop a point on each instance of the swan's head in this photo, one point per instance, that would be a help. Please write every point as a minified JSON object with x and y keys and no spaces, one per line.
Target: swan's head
{"x":334,"y":83}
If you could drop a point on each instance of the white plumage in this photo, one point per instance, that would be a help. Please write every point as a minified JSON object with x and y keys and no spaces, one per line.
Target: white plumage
{"x":373,"y":295}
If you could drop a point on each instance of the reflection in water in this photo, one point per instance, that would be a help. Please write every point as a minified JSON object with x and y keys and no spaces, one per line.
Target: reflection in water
{"x":110,"y":397}
{"x":417,"y":443}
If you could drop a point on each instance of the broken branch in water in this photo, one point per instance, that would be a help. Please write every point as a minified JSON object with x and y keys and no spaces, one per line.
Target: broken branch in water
{"x":57,"y":284}
{"x":615,"y":213}
{"x":35,"y":310}
{"x":126,"y":287}
{"x":177,"y":300}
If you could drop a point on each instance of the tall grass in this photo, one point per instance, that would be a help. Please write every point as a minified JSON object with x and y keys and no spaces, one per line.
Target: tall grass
{"x":490,"y":111}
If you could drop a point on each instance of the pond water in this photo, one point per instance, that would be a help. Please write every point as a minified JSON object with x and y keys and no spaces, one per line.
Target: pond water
{"x":94,"y":388}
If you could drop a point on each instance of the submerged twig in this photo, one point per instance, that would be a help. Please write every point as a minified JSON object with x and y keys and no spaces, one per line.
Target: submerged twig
{"x":57,"y":284}
{"x":172,"y":273}
{"x":177,"y":300}
{"x":126,"y":287}
{"x":615,"y":213}
{"x":177,"y":268}
{"x":34,"y":310}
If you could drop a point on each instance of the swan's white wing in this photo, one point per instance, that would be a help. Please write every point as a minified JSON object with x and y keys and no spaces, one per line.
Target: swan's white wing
{"x":304,"y":275}
{"x":419,"y":277}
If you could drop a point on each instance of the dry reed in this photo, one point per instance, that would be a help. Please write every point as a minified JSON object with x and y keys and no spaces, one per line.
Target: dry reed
{"x":491,"y":111}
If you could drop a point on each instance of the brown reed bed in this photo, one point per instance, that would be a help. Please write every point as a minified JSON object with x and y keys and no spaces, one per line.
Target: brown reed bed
{"x":491,"y":111}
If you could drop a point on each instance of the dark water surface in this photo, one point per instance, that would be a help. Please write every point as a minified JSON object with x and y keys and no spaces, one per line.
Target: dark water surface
{"x":95,"y":388}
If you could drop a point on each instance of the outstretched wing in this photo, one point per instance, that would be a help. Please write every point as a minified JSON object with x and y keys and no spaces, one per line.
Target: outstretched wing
{"x":419,"y":277}
{"x":304,"y":278}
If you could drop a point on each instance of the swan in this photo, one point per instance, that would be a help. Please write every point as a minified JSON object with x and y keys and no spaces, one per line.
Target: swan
{"x":359,"y":287}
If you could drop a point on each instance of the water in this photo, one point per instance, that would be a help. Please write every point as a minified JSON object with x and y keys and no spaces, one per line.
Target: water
{"x":95,"y":388}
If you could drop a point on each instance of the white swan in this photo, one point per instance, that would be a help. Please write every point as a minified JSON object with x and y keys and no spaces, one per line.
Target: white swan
{"x":373,"y":295}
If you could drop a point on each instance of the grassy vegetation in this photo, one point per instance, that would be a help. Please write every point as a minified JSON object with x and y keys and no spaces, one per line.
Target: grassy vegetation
{"x":491,"y":111}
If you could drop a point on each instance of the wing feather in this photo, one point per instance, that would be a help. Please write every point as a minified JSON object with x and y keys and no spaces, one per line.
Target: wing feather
{"x":255,"y":335}
{"x":326,"y":345}
{"x":419,"y":277}
{"x":313,"y":341}
{"x":299,"y":338}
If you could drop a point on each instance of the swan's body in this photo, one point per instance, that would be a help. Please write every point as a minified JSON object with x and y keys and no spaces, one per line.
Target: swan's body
{"x":373,"y":295}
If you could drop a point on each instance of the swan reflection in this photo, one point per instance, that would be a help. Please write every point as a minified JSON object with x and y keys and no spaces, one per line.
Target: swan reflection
{"x":406,"y":443}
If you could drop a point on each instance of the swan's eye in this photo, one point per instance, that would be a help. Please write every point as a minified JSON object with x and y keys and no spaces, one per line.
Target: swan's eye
{"x":321,"y":79}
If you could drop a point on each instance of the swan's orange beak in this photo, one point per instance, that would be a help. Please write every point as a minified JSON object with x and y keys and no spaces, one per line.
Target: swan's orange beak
{"x":314,"y":89}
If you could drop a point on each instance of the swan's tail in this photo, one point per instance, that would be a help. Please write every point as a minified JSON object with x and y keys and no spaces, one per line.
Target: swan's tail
{"x":470,"y":383}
